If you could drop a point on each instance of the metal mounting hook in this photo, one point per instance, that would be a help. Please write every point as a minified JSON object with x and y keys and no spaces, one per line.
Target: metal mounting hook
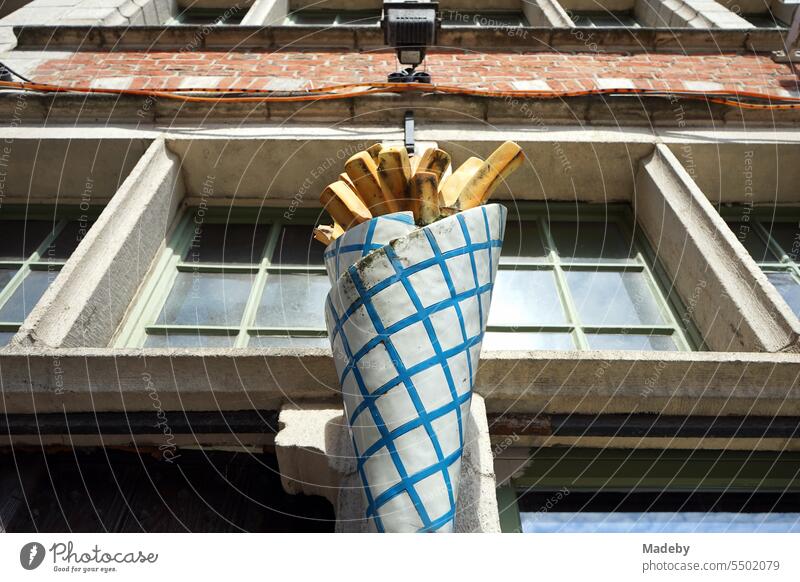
{"x":408,"y":131}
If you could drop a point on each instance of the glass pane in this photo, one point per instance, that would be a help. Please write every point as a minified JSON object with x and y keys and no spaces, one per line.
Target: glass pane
{"x":6,"y":274}
{"x":293,"y":300}
{"x":787,"y":234}
{"x":751,"y":240}
{"x":296,"y":246}
{"x":5,"y":337}
{"x":612,"y":341}
{"x":787,"y":286}
{"x":206,"y":299}
{"x":21,"y":238}
{"x":188,"y":340}
{"x":523,"y":242}
{"x":525,"y":298}
{"x":227,"y":243}
{"x":591,"y":241}
{"x":282,"y":341}
{"x":359,"y":17}
{"x":605,"y":19}
{"x":764,"y":20}
{"x":232,"y":15}
{"x":67,"y":240}
{"x":613,"y":298}
{"x":510,"y":340}
{"x":658,"y":522}
{"x":313,"y":18}
{"x":25,"y":296}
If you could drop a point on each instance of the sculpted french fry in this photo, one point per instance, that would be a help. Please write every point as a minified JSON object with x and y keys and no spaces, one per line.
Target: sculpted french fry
{"x":451,"y":187}
{"x":394,"y":170}
{"x":373,"y":152}
{"x":343,"y":205}
{"x":346,"y":179}
{"x":326,"y":234}
{"x":424,"y":196}
{"x":503,"y":161}
{"x":364,"y":174}
{"x":433,"y":160}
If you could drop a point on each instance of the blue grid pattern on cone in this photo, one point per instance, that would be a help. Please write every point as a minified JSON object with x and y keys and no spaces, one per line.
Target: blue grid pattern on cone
{"x":361,"y":240}
{"x":406,"y":325}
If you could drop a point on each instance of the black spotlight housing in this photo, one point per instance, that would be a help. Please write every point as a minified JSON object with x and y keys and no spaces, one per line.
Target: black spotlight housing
{"x":410,"y":27}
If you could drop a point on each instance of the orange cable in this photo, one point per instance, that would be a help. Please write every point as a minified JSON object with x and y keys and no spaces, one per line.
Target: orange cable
{"x":346,"y":91}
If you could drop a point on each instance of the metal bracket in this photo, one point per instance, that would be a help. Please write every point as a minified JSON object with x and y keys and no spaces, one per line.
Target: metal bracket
{"x":408,"y":132}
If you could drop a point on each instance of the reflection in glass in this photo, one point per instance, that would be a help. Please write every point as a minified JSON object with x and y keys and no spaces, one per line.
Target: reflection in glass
{"x":613,"y":298}
{"x":24,"y":297}
{"x":523,"y":297}
{"x":591,"y":242}
{"x":227,"y":243}
{"x":206,"y":299}
{"x":523,"y":241}
{"x":293,"y":300}
{"x":788,"y":287}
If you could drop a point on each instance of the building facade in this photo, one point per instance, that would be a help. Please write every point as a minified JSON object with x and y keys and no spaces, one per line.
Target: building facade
{"x":164,"y":355}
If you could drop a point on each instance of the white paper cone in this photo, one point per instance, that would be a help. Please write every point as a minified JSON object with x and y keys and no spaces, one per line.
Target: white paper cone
{"x":406,"y":323}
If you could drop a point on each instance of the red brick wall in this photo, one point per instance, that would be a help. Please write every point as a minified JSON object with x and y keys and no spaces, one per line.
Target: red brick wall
{"x":253,"y":69}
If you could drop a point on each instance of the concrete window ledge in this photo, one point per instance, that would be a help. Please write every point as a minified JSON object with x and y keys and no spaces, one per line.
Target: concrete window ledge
{"x":316,"y":457}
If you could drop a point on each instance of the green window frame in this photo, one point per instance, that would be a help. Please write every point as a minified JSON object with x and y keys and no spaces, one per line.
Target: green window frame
{"x":763,"y":232}
{"x":44,"y":258}
{"x":640,"y":260}
{"x":143,"y":320}
{"x":561,"y":470}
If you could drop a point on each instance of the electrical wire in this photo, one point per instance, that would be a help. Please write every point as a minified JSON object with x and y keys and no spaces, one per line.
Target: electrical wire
{"x":13,"y":72}
{"x":739,"y":99}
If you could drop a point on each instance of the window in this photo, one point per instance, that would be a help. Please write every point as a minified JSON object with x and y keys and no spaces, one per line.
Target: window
{"x":483,"y":19}
{"x":34,"y":246}
{"x":607,"y":490}
{"x":774,"y":244}
{"x":605,"y":19}
{"x":577,"y":278}
{"x":212,"y":16}
{"x":334,"y":18}
{"x":234,"y":283}
{"x":764,"y":20}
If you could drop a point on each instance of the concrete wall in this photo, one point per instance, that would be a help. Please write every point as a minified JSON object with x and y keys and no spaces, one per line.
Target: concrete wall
{"x":87,"y":301}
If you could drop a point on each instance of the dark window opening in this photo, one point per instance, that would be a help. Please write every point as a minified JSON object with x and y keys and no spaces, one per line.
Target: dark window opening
{"x":605,"y":19}
{"x":105,"y":490}
{"x":212,"y":16}
{"x":764,"y":20}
